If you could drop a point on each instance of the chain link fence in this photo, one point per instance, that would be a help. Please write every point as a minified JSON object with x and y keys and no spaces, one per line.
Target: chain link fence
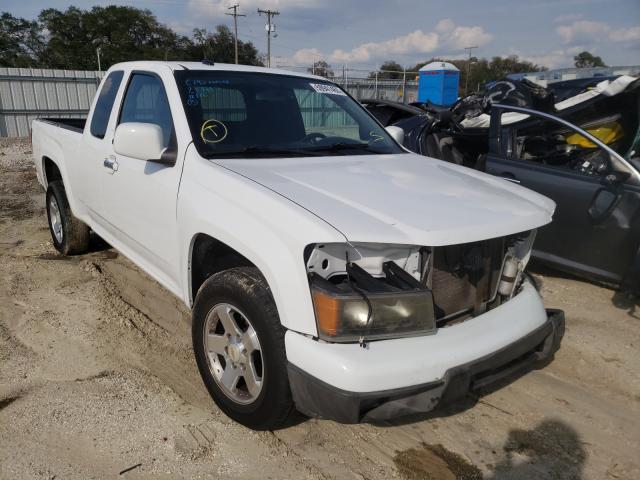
{"x":365,"y":84}
{"x":395,"y":90}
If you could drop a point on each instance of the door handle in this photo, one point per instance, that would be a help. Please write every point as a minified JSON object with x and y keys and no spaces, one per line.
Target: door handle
{"x":111,"y":162}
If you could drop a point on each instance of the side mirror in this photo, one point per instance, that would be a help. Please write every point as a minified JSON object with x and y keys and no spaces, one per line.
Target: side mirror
{"x":144,"y":141}
{"x":396,"y":132}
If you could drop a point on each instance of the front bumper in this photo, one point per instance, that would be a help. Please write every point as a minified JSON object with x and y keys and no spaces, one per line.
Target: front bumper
{"x":315,"y":398}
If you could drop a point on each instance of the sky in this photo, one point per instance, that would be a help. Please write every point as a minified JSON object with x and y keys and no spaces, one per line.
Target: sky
{"x":365,"y":33}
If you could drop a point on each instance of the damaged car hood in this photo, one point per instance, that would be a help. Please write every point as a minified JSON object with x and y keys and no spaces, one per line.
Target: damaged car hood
{"x":400,"y":198}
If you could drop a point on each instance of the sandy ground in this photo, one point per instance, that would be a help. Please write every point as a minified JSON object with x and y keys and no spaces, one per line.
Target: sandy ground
{"x":97,"y":376}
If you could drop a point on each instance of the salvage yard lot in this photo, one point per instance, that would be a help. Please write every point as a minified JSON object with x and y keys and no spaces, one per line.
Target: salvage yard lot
{"x":97,"y":376}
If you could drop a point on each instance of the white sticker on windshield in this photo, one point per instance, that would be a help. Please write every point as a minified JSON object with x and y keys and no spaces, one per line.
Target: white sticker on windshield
{"x":328,"y":89}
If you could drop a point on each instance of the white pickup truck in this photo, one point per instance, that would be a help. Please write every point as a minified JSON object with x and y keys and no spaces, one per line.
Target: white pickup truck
{"x":327,"y":268}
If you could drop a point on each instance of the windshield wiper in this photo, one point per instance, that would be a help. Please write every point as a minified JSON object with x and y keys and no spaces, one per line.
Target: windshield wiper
{"x":339,"y":147}
{"x":255,"y":151}
{"x":251,"y":151}
{"x":298,"y":152}
{"x":279,"y":151}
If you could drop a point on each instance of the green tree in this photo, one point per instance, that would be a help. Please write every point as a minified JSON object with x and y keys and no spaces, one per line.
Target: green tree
{"x":500,"y":67}
{"x":218,"y":47}
{"x":389,"y":70}
{"x":122,"y":33}
{"x":587,"y":60}
{"x":20,"y":41}
{"x":321,"y":68}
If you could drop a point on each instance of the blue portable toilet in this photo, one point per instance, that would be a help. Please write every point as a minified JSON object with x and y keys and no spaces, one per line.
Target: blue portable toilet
{"x":438,"y":83}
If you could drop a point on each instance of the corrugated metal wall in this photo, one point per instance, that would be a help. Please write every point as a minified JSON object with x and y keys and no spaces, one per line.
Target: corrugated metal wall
{"x":28,"y":93}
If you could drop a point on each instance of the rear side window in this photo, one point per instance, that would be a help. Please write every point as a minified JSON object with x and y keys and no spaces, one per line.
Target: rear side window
{"x":146,"y":102}
{"x":104,"y":105}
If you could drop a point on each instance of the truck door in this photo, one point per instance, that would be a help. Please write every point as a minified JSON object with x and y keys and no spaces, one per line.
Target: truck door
{"x":88,"y":172}
{"x":142,"y":195}
{"x":596,"y":227}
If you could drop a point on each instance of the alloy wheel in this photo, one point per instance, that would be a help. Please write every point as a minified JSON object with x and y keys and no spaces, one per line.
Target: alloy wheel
{"x":233,"y":352}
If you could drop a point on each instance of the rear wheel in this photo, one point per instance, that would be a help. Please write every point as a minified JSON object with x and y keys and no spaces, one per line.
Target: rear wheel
{"x":238,"y":342}
{"x":70,"y":236}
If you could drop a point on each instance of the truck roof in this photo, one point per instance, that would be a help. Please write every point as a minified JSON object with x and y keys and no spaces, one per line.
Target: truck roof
{"x":177,"y":65}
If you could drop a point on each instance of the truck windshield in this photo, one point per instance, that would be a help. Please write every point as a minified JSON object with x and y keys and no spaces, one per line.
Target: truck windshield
{"x":248,"y":114}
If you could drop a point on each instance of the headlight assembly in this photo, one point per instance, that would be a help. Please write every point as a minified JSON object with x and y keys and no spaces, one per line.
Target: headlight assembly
{"x":365,"y":307}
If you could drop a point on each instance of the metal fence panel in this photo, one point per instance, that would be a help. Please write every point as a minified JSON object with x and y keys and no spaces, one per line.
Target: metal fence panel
{"x":29,"y":93}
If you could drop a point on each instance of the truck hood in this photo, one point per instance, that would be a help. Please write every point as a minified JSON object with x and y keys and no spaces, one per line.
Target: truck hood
{"x":400,"y":198}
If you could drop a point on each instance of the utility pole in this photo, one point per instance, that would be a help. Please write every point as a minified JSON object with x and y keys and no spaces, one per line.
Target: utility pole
{"x":235,"y":16}
{"x":376,"y":86}
{"x":270,"y":28}
{"x":404,"y":84}
{"x":98,"y":51}
{"x":466,"y":82}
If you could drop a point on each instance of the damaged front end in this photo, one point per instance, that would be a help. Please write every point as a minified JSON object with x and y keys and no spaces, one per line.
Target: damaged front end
{"x":364,"y":292}
{"x":373,"y":292}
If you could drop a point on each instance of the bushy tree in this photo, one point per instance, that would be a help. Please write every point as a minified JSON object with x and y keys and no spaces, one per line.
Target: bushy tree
{"x":218,"y":46}
{"x":122,"y":33}
{"x":20,"y":42}
{"x":389,"y":70}
{"x":321,"y":68}
{"x":587,"y":60}
{"x":500,"y":67}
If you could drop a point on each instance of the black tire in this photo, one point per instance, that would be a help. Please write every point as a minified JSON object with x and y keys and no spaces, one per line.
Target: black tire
{"x":75,"y":233}
{"x":246,"y":289}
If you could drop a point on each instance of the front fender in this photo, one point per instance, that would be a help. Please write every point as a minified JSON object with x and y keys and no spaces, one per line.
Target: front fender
{"x":266,"y":228}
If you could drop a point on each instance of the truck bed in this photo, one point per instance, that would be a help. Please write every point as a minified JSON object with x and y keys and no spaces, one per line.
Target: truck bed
{"x":57,"y":139}
{"x":74,"y":124}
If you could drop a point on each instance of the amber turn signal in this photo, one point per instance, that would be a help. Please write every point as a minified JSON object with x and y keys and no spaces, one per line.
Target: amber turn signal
{"x":327,"y":312}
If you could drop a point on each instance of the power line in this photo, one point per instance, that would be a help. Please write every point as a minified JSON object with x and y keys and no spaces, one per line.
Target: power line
{"x":235,"y":16}
{"x":270,"y":28}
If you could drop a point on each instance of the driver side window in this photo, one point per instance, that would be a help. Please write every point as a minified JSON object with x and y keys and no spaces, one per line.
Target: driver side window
{"x":321,"y":115}
{"x":146,"y":101}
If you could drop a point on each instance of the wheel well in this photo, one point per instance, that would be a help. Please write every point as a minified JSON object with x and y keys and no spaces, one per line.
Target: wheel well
{"x":51,"y":170}
{"x":210,"y":256}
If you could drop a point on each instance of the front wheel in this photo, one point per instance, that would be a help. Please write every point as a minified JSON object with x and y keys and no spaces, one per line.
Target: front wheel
{"x":238,"y":342}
